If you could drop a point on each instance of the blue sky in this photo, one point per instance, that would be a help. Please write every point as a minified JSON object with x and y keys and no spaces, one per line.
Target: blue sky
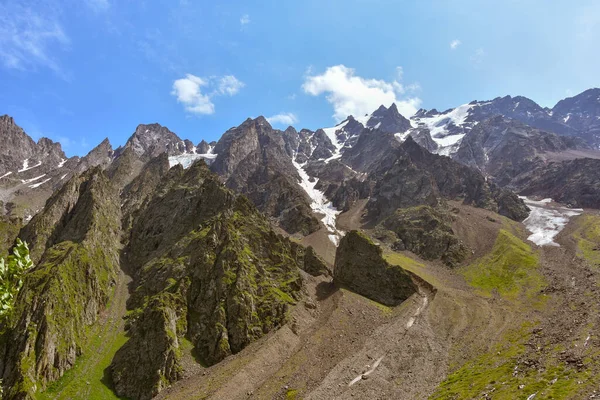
{"x":78,"y":71}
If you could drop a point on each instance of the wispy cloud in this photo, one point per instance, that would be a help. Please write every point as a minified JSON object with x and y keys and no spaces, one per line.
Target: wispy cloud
{"x":196,"y":93}
{"x":283,"y":119}
{"x":30,"y":37}
{"x":455,"y":43}
{"x":245,"y":19}
{"x":350,"y":94}
{"x":230,"y":85}
{"x":98,"y":5}
{"x":399,"y":73}
{"x":477,"y":57}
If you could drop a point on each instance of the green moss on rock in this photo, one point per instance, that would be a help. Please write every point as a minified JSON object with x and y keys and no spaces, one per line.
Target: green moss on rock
{"x":234,"y":278}
{"x":67,"y":289}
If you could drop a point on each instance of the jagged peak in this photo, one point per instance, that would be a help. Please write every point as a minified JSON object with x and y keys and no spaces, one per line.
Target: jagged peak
{"x":382,"y":110}
{"x":7,"y":119}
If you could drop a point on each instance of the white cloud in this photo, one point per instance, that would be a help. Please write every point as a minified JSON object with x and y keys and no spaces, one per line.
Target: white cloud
{"x":189,"y":91}
{"x":283,"y":119}
{"x":30,"y":37}
{"x":478,"y":56}
{"x":245,"y":19}
{"x":230,"y":85}
{"x":353,"y":95}
{"x":455,"y":43}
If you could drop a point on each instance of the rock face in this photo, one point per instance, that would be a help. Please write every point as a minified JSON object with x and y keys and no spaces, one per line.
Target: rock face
{"x":360,"y":267}
{"x":502,"y":148}
{"x":255,"y":160}
{"x":208,"y":268}
{"x":412,"y":176}
{"x":76,"y":260}
{"x":148,"y":362}
{"x":388,"y":120}
{"x":30,"y":172}
{"x":574,"y":182}
{"x":427,"y":232}
{"x":149,"y":141}
{"x":309,"y":261}
{"x":581,"y":113}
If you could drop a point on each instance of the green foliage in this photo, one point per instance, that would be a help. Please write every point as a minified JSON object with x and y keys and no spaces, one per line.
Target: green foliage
{"x":11,"y":277}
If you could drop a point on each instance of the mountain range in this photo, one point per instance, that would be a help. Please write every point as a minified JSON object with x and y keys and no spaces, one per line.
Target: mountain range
{"x":233,"y":269}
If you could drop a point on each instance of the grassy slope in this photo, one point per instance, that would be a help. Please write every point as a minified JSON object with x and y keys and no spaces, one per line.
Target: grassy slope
{"x":511,"y":270}
{"x":87,"y":378}
{"x":498,"y":374}
{"x":588,"y":238}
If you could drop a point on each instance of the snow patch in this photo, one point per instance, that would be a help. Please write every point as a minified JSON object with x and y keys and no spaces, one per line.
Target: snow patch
{"x":63,"y":177}
{"x":546,"y":221}
{"x":61,"y":163}
{"x":319,"y":203}
{"x":567,"y":118}
{"x":39,"y":184}
{"x":26,"y":166}
{"x":5,"y":175}
{"x":187,"y":159}
{"x":438,"y":127}
{"x":27,"y":181}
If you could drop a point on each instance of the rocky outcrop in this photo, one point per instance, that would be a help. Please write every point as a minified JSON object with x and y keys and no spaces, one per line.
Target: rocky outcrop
{"x":76,"y":266}
{"x":360,"y":267}
{"x":148,"y":362}
{"x":427,"y":232}
{"x":207,"y":267}
{"x":9,"y":229}
{"x":309,"y":261}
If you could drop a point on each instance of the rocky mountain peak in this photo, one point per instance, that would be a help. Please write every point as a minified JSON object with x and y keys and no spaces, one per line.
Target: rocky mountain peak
{"x":150,"y":140}
{"x":388,"y":120}
{"x":588,"y":101}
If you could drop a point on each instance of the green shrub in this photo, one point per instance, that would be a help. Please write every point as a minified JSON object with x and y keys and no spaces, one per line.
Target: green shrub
{"x":11,"y":277}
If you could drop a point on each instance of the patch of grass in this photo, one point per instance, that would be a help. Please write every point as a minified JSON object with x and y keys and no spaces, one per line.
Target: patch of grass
{"x":511,"y":269}
{"x":588,"y":238}
{"x":499,"y":374}
{"x":85,"y":380}
{"x":292,"y":394}
{"x":413,"y":266}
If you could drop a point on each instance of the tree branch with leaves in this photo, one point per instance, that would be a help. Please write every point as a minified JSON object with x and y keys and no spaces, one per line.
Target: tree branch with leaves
{"x":11,"y":277}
